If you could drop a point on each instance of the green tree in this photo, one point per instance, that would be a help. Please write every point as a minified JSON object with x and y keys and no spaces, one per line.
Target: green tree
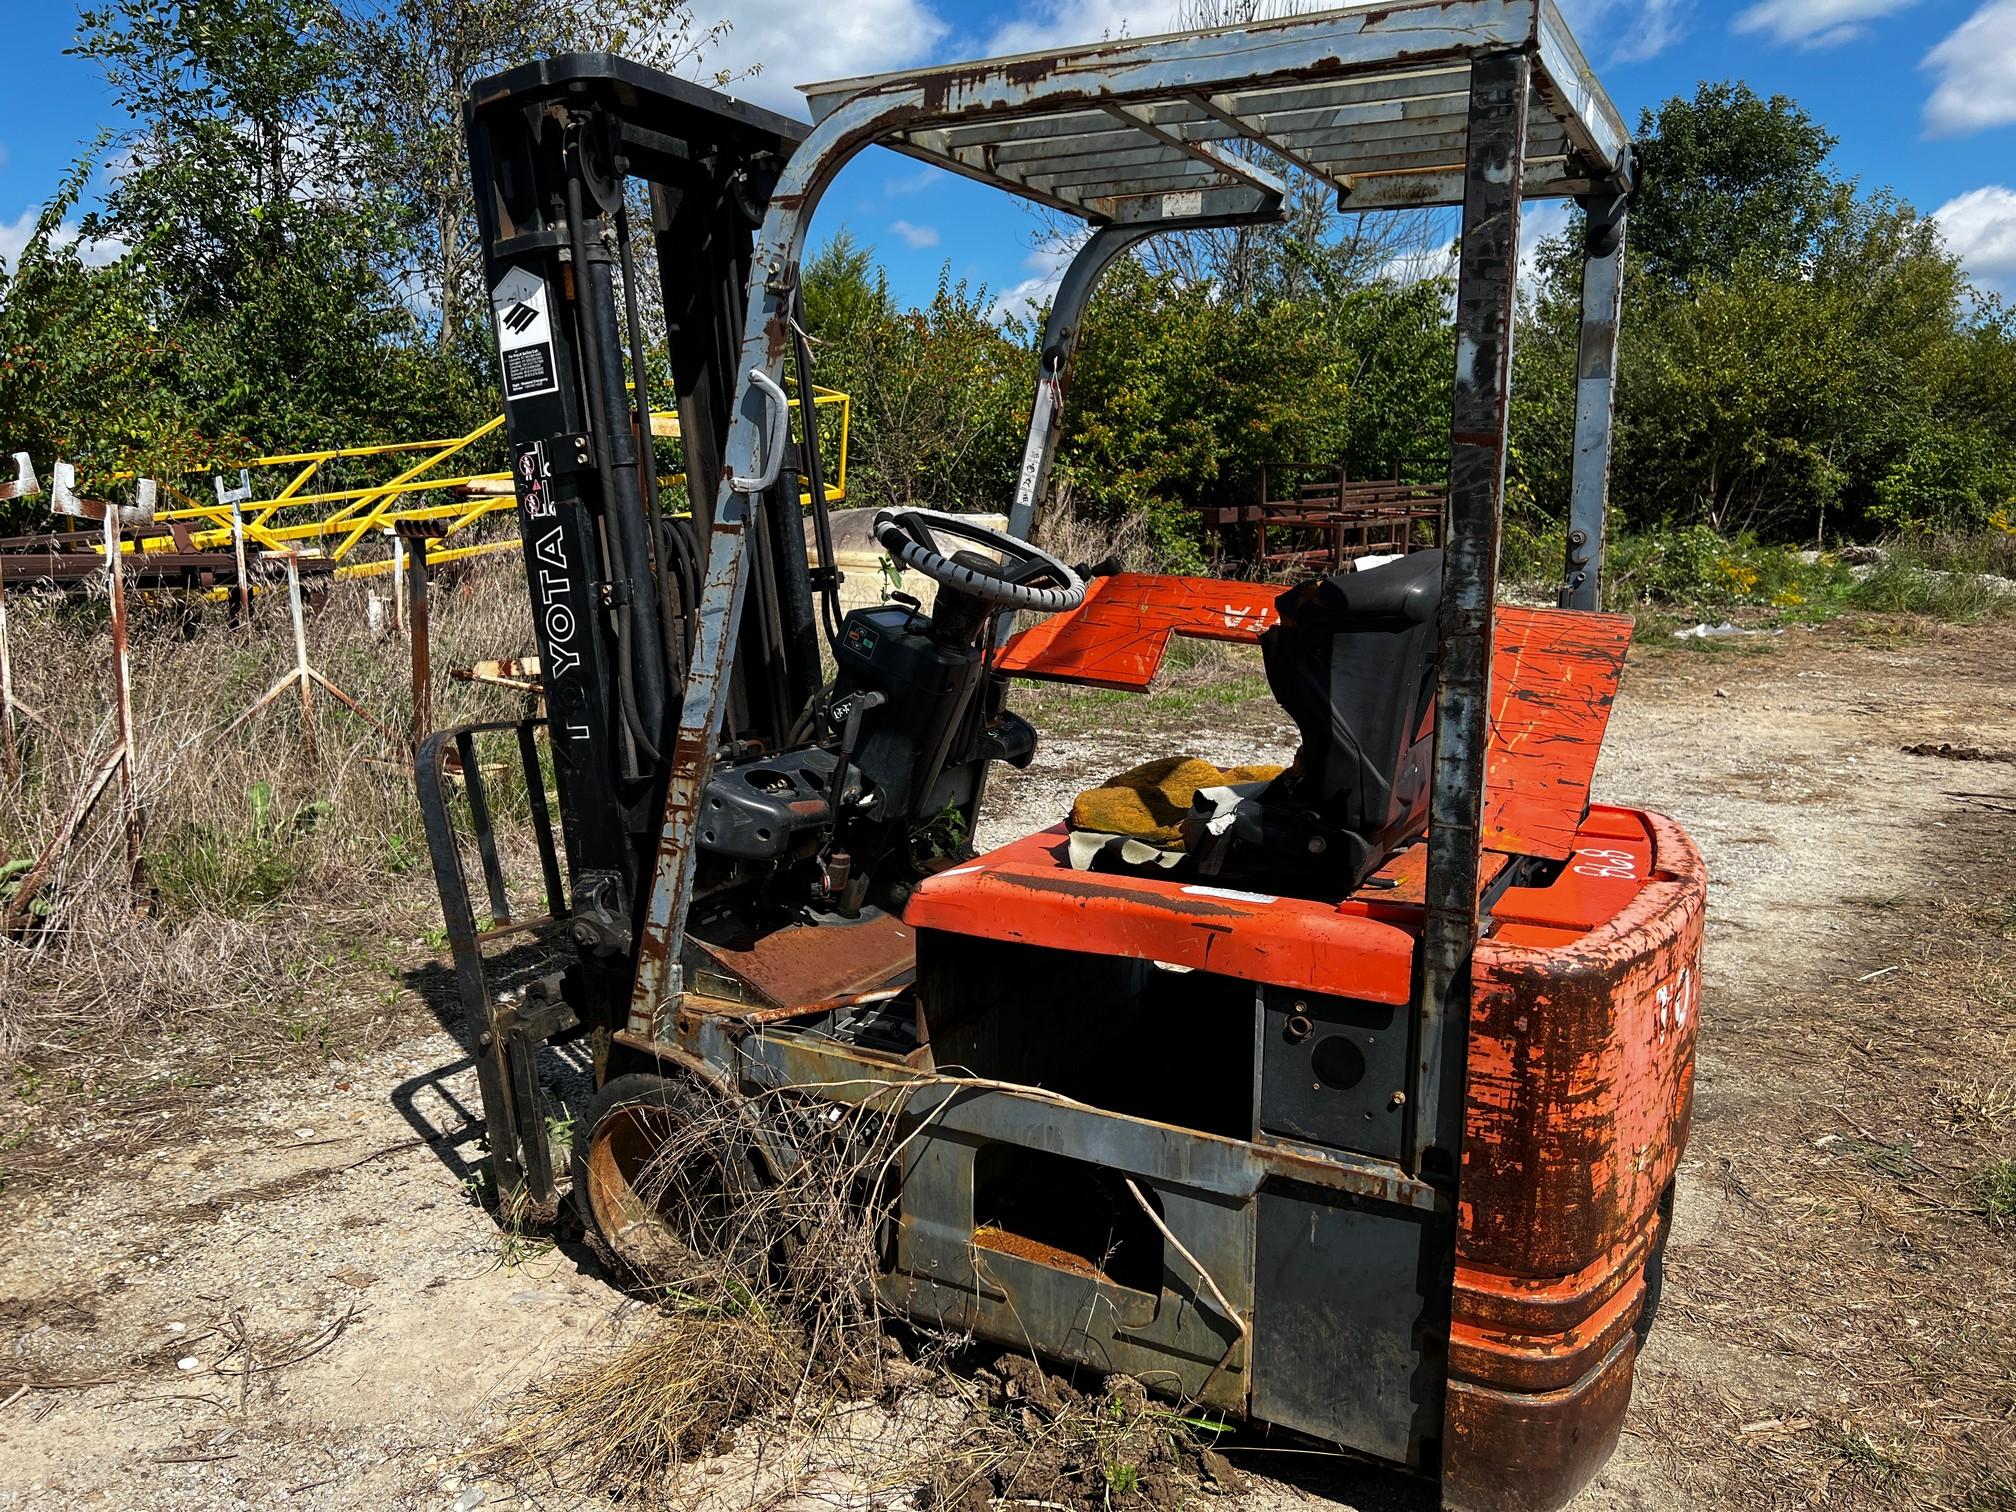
{"x":1725,"y":178}
{"x":1797,"y":358}
{"x":410,"y":65}
{"x":940,"y":393}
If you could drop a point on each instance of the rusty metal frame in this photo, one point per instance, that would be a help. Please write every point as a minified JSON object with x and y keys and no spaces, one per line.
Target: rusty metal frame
{"x":1595,"y":399}
{"x":950,"y":115}
{"x":1486,"y":301}
{"x":1061,"y":328}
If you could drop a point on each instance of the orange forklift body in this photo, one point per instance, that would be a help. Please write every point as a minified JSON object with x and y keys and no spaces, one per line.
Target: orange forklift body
{"x":1584,"y":998}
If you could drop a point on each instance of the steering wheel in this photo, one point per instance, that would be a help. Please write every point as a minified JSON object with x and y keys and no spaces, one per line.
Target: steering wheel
{"x":1027,"y":577}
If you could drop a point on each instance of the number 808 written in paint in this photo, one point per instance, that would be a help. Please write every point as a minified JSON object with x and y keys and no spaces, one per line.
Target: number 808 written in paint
{"x":1620,"y":864}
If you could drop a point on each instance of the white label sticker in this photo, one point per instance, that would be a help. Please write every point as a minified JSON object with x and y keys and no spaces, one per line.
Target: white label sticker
{"x":1184,"y":202}
{"x":1233,"y":893}
{"x":524,"y":335}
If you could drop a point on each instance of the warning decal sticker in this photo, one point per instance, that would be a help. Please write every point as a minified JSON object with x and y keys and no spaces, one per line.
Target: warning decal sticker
{"x":524,"y":335}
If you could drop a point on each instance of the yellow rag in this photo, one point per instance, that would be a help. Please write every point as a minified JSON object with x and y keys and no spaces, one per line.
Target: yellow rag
{"x":1149,"y":801}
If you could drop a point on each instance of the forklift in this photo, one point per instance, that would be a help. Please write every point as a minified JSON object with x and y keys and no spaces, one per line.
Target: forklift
{"x":1355,"y":1115}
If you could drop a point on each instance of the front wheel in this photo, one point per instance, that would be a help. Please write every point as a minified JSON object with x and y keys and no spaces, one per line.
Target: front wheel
{"x":672,"y":1188}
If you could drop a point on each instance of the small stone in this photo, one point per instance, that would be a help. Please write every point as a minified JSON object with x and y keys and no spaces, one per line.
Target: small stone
{"x":474,"y":1497}
{"x":188,"y":1362}
{"x":176,"y":1328}
{"x":1721,"y":692}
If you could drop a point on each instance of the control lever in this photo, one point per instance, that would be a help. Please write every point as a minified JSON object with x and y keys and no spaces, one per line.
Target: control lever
{"x":1106,"y":566}
{"x":837,"y":866}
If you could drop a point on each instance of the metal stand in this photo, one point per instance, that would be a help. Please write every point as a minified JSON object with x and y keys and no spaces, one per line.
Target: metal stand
{"x":120,"y":758}
{"x":410,"y":605}
{"x":24,"y":486}
{"x":122,"y":689}
{"x":237,"y":498}
{"x":11,"y":753}
{"x":303,"y":675}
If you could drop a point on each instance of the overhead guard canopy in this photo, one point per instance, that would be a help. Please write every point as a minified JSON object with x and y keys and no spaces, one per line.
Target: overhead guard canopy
{"x":1373,"y":100}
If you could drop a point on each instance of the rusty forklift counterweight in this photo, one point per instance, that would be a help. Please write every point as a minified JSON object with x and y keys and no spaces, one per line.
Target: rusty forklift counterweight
{"x":1409,"y":1028}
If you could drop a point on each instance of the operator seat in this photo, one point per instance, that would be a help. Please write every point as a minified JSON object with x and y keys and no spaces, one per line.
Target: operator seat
{"x":1352,"y":660}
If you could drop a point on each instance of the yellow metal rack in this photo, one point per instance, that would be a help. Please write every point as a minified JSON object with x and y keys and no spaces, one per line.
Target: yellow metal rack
{"x":349,"y":517}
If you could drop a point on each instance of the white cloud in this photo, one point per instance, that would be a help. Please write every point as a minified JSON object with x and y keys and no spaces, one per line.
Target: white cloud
{"x":1814,"y":23}
{"x":15,"y":234}
{"x":1625,"y":32}
{"x":1976,"y":73}
{"x":1538,"y":220}
{"x":1654,"y":26}
{"x":1046,"y":267}
{"x":1062,"y":23}
{"x":914,"y":235}
{"x":927,"y":177}
{"x":795,"y":43}
{"x":1980,"y":229}
{"x":1435,"y":255}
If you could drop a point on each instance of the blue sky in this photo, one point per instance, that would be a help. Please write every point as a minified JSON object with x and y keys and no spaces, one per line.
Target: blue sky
{"x":1921,"y":93}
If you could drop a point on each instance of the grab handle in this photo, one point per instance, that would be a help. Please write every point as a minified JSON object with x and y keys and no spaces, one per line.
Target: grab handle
{"x":777,"y":431}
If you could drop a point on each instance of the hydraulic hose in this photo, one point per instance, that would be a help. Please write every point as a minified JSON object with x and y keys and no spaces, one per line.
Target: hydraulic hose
{"x":626,"y":681}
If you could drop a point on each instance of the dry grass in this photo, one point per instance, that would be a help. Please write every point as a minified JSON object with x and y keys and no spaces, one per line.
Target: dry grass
{"x":766,"y":1302}
{"x":769,"y":1363}
{"x":272,"y":880}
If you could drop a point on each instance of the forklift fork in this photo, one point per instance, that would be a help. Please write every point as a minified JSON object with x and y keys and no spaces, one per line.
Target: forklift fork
{"x":509,"y":1026}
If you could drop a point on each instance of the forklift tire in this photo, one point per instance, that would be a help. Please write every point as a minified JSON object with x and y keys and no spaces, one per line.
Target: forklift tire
{"x":669,"y":1185}
{"x":1655,"y":1268}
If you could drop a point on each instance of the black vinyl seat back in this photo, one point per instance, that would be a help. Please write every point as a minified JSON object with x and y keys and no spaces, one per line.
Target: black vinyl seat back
{"x":1353,"y":660}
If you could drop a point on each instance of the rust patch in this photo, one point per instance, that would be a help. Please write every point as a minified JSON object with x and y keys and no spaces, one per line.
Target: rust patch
{"x":803,"y":968}
{"x":1001,"y":1242}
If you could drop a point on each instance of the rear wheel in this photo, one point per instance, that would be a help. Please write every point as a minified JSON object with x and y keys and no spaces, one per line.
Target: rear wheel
{"x":671,"y":1187}
{"x":1655,"y":1267}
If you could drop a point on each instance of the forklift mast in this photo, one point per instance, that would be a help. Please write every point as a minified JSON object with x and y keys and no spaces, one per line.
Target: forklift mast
{"x":615,"y":575}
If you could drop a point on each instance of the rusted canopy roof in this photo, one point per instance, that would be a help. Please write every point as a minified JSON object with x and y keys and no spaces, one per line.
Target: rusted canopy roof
{"x":1373,"y":100}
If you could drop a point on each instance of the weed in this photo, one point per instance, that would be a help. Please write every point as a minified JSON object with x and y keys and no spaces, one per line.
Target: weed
{"x":1999,"y":914}
{"x":1869,"y":1461}
{"x":1222,"y":694}
{"x":1895,"y":1161}
{"x":1996,"y":1492}
{"x":560,"y":1134}
{"x":401,"y":854}
{"x":199,"y":869}
{"x":1992,"y":1194}
{"x":243,"y":831}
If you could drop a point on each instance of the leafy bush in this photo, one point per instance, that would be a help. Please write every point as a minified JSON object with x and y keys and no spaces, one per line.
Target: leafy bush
{"x":1898,"y":587}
